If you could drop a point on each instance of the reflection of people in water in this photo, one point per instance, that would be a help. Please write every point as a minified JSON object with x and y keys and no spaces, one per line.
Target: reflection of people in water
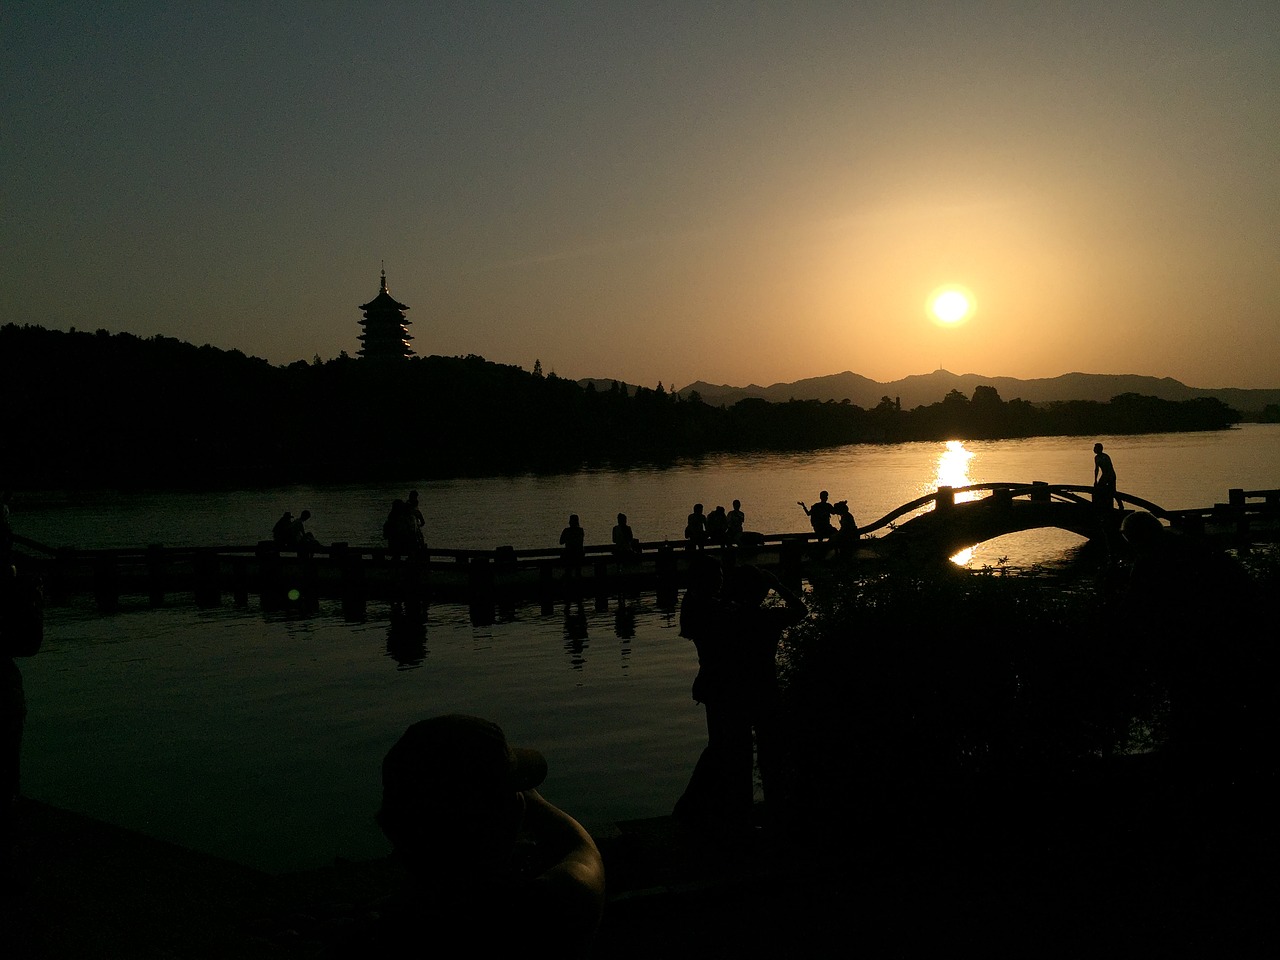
{"x":1104,"y":479}
{"x":820,"y":516}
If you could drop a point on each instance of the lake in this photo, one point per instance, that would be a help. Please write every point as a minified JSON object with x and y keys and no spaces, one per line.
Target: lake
{"x":258,"y":737}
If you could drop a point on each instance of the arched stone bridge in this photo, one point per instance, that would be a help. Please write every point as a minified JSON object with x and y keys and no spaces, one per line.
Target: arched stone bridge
{"x":996,"y":509}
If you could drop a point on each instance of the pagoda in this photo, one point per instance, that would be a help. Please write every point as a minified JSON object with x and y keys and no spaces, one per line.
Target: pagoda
{"x":385,"y":335}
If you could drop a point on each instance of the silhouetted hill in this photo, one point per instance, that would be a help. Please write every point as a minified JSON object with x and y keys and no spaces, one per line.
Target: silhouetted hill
{"x":100,"y":409}
{"x":922,"y":389}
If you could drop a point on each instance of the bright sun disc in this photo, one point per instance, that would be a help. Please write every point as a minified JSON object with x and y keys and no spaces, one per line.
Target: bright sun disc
{"x":950,"y":304}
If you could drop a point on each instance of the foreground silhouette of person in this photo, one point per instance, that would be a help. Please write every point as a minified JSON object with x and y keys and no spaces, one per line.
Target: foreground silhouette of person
{"x":756,"y":629}
{"x":491,"y":868}
{"x":721,"y":789}
{"x":1104,"y":480}
{"x":820,"y":516}
{"x":21,"y":635}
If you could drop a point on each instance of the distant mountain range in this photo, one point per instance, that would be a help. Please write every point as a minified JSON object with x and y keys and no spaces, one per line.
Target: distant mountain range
{"x":928,"y":388}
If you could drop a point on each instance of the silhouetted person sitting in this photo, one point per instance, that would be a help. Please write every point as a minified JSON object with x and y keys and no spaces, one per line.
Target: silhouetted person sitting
{"x":820,"y":516}
{"x":299,"y":538}
{"x":717,"y":526}
{"x":492,"y":868}
{"x":846,"y":540}
{"x":695,"y":528}
{"x":1104,"y":480}
{"x":282,"y":532}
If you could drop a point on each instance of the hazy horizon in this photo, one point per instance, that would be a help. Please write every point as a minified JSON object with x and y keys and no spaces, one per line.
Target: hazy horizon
{"x":746,"y":194}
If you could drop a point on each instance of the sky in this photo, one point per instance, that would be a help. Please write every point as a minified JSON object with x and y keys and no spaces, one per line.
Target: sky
{"x":749,"y":192}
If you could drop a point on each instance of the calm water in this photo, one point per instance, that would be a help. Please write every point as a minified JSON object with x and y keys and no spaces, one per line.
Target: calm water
{"x":258,"y":737}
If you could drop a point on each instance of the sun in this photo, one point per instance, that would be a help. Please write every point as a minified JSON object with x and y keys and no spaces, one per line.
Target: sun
{"x":950,"y":305}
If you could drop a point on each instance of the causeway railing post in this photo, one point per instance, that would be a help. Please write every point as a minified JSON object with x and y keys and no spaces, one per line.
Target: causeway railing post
{"x":204,"y":567}
{"x":106,"y":583}
{"x":547,"y":587}
{"x":665,"y":568}
{"x":156,"y":570}
{"x":270,"y":575}
{"x":351,"y":576}
{"x":600,"y":575}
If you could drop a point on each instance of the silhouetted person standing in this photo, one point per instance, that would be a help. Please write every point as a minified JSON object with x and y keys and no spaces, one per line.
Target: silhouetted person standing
{"x":625,"y":545}
{"x":736,"y":520}
{"x":1104,"y":479}
{"x":493,"y":869}
{"x":21,"y":634}
{"x":572,"y":539}
{"x":756,"y":629}
{"x":419,"y":521}
{"x":720,"y":791}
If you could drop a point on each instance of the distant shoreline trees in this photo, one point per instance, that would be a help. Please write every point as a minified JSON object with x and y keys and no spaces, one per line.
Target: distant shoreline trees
{"x":101,"y":410}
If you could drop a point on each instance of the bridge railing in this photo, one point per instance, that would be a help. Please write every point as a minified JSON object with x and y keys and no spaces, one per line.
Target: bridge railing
{"x":947,"y":496}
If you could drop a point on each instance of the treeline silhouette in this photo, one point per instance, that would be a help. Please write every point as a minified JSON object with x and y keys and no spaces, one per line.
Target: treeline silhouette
{"x":102,"y":409}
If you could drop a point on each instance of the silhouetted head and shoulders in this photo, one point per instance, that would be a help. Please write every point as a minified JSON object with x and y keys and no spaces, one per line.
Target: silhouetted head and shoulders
{"x":491,"y":866}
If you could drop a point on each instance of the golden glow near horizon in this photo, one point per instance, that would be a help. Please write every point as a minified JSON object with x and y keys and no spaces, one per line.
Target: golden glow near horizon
{"x":951,"y":305}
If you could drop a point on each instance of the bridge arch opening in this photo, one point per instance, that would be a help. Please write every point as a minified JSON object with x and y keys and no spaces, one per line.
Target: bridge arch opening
{"x":1021,"y":549}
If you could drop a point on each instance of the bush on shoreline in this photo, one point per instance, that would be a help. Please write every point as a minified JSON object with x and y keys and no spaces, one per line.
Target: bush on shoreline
{"x":909,"y":696}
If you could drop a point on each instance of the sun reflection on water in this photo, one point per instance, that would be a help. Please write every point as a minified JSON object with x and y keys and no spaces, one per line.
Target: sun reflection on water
{"x":953,"y":471}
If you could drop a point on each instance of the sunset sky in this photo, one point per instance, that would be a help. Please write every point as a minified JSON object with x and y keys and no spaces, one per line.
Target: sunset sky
{"x":733,"y":192}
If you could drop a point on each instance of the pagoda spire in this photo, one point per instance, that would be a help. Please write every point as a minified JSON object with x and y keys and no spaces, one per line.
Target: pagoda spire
{"x":385,"y":335}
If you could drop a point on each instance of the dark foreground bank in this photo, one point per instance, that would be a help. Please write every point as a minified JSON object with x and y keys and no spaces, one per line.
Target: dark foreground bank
{"x":1142,"y":862}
